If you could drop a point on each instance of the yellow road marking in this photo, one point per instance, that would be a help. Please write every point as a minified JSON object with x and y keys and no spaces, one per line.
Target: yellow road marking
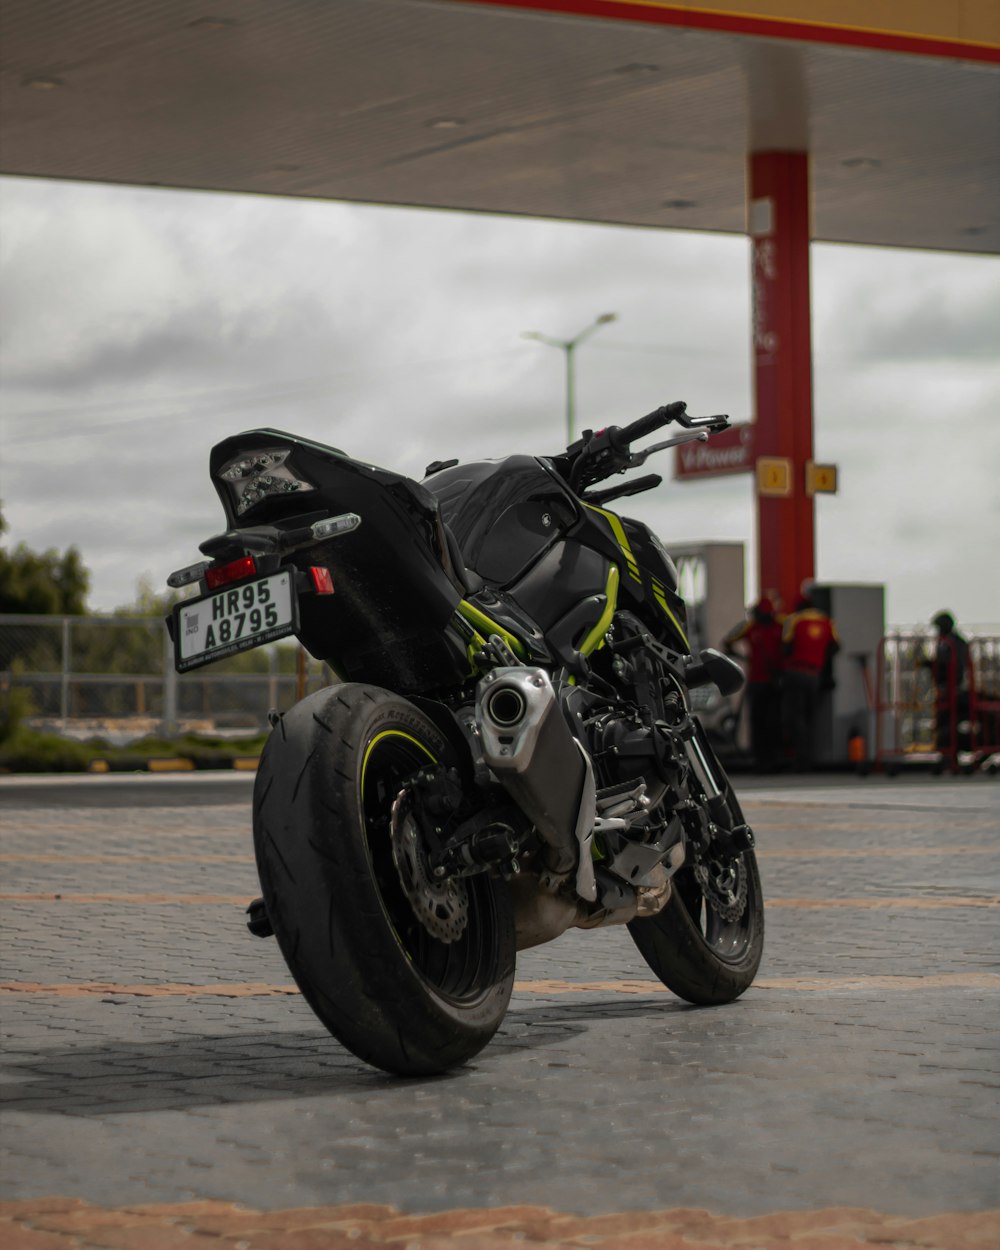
{"x":189,"y":900}
{"x":57,"y":857}
{"x":938,"y":981}
{"x":625,"y":985}
{"x":796,"y":852}
{"x":240,"y":900}
{"x":59,"y":1220}
{"x":162,"y":989}
{"x":875,"y":852}
{"x":934,"y":981}
{"x":878,"y":904}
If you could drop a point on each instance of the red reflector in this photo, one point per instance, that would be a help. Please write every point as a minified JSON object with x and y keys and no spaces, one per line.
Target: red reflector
{"x":235,"y":571}
{"x":321,"y":579}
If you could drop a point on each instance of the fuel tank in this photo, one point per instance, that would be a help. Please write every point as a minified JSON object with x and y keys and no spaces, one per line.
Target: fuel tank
{"x":516,"y":523}
{"x":505,"y":514}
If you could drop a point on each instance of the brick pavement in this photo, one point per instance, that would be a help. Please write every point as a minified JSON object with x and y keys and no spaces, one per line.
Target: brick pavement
{"x":158,"y":1066}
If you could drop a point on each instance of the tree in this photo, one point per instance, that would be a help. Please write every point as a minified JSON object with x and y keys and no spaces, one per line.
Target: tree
{"x":149,"y":601}
{"x":46,"y":584}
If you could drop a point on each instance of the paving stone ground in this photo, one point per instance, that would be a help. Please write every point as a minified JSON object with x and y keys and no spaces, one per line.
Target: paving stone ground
{"x":159,"y":1068}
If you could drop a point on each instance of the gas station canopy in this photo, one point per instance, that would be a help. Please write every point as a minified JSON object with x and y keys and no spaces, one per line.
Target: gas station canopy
{"x":623,"y":111}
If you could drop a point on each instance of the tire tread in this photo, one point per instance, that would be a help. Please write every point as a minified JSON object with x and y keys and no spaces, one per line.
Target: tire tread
{"x":321,"y":895}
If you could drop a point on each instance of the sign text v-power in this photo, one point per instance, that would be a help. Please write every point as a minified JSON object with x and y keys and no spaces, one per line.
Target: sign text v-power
{"x":732,"y":451}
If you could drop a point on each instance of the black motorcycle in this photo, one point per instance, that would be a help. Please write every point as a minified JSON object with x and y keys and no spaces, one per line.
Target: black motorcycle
{"x":510,"y":751}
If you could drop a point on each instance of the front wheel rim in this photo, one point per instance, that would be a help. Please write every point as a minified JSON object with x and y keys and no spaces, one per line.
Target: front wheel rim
{"x":728,"y":936}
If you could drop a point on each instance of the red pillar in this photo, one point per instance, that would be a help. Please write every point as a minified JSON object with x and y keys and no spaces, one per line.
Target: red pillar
{"x":780,"y":230}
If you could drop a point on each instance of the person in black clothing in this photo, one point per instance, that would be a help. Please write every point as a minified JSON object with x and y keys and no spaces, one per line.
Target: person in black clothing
{"x":950,"y":669}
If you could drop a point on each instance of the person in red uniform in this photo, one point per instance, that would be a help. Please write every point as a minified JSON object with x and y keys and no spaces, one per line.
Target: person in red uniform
{"x":758,"y":641}
{"x":809,"y":641}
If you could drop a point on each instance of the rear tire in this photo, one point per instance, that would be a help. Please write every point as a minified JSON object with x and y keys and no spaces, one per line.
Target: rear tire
{"x":393,"y":994}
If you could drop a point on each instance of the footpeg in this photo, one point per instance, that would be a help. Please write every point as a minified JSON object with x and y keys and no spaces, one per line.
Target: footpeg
{"x":258,"y":923}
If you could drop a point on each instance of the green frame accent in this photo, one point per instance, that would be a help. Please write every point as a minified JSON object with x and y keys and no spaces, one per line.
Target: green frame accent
{"x":660,"y":595}
{"x":595,"y":639}
{"x":486,"y":625}
{"x":621,"y":538}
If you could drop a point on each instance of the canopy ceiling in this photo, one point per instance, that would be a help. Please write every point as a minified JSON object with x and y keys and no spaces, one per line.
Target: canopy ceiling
{"x":502,"y":108}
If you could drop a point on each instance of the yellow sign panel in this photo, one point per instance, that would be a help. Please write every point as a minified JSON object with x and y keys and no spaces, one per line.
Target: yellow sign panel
{"x":821,"y":479}
{"x":774,"y":475}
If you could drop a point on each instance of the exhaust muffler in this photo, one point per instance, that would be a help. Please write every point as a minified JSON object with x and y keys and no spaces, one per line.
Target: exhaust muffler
{"x":531,"y":751}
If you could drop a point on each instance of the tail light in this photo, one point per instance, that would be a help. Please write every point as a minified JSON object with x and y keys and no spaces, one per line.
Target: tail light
{"x":255,"y":475}
{"x":234,"y":571}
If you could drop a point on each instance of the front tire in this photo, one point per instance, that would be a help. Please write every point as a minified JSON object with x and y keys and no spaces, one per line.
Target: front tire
{"x":706,"y":943}
{"x":396,"y":996}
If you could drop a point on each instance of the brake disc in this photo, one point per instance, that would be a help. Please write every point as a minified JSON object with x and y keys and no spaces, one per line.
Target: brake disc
{"x":724,"y":887}
{"x":441,"y":906}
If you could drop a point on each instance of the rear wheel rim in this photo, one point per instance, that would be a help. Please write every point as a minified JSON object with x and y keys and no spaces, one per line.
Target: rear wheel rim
{"x":461,"y":972}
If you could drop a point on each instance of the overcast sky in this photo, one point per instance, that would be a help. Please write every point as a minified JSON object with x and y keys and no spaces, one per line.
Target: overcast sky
{"x":139,"y":327}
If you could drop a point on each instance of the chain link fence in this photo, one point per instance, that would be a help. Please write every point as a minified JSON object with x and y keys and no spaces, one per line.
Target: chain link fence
{"x":114,"y":676}
{"x":953,"y":717}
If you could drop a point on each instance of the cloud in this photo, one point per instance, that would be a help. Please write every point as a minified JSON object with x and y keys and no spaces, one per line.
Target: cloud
{"x":143,"y":326}
{"x":885,"y":307}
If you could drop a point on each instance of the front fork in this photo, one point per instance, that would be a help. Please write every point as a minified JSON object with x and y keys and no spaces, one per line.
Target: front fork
{"x":729,"y":834}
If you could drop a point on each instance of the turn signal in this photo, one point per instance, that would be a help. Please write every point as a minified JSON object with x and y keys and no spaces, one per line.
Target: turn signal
{"x":321,"y":580}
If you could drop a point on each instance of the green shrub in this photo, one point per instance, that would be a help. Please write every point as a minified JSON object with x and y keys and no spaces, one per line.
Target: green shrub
{"x":26,"y":751}
{"x":16,"y":705}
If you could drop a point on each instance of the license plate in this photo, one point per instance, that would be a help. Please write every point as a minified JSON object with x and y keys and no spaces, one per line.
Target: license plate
{"x":233,"y":620}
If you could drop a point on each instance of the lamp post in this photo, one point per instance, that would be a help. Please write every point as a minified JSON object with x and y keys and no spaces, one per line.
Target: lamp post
{"x":569,"y":346}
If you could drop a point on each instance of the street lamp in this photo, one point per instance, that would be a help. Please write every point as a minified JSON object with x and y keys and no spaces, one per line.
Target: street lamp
{"x":569,"y":346}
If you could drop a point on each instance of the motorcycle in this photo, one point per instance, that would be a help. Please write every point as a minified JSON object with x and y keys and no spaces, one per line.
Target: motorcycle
{"x":510,"y":751}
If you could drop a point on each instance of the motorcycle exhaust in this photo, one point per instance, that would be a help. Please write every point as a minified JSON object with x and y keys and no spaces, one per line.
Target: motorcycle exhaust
{"x":531,"y":751}
{"x":506,"y":707}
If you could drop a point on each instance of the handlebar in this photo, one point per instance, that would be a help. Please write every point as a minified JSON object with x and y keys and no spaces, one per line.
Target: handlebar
{"x":651,"y":421}
{"x":597,"y":456}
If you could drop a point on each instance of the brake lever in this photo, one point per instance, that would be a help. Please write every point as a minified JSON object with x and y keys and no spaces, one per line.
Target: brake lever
{"x":717,"y":423}
{"x":637,"y":458}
